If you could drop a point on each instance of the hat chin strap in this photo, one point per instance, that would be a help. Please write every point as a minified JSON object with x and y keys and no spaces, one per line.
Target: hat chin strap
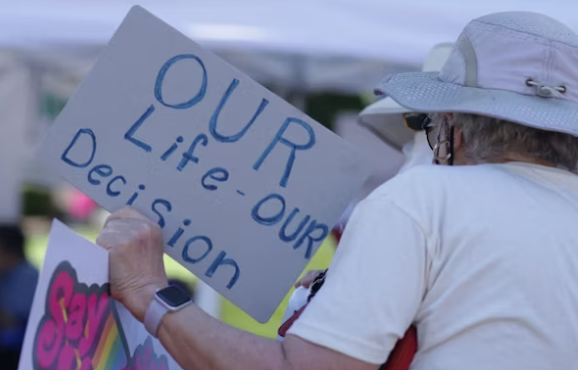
{"x":547,"y":91}
{"x":447,"y":159}
{"x":447,"y":144}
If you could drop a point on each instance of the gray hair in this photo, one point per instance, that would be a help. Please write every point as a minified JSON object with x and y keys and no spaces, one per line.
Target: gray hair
{"x":490,"y":139}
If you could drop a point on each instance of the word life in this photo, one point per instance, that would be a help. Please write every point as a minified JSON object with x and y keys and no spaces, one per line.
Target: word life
{"x":301,"y":231}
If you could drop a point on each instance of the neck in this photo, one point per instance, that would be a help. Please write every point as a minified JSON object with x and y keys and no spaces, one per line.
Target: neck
{"x":509,"y":157}
{"x":518,"y":158}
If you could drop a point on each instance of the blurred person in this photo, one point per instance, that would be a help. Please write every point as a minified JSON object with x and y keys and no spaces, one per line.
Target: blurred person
{"x":478,"y":252}
{"x":18,"y":280}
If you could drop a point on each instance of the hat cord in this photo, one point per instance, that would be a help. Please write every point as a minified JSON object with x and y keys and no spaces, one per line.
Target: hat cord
{"x":546,"y":91}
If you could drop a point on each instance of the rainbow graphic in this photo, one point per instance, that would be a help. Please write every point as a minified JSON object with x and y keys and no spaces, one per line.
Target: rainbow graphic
{"x":102,"y":344}
{"x":110,"y":353}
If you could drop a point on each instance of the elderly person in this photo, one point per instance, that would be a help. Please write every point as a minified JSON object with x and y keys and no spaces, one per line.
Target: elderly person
{"x":481,"y":256}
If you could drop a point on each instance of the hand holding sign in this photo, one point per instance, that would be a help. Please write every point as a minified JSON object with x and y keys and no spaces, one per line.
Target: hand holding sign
{"x":243,"y":186}
{"x":136,"y":268}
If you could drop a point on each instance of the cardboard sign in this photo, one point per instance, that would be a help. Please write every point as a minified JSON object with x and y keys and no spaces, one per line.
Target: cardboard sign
{"x":75,"y":324}
{"x":245,"y":186}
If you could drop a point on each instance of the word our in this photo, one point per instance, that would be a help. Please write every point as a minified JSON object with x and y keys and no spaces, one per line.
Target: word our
{"x":82,"y":149}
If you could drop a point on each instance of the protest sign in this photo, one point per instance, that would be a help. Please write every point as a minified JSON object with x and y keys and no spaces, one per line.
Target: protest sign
{"x":75,"y":324}
{"x":244,"y":186}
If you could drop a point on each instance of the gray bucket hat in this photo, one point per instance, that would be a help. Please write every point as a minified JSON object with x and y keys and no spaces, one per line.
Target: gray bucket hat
{"x":517,"y":66}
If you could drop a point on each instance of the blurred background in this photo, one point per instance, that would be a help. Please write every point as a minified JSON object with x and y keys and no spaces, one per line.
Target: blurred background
{"x":323,"y":56}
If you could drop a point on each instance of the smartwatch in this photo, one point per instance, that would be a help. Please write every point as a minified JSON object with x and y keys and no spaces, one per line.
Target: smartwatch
{"x":169,"y":299}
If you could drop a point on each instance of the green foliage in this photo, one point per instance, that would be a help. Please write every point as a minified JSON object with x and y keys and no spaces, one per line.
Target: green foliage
{"x":325,"y":107}
{"x":37,"y":202}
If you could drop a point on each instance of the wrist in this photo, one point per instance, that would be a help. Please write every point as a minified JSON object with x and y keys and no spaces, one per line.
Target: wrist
{"x":173,"y":319}
{"x":138,"y":302}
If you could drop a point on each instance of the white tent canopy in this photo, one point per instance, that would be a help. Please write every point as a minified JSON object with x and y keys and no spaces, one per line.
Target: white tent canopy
{"x":297,"y":45}
{"x":308,"y":44}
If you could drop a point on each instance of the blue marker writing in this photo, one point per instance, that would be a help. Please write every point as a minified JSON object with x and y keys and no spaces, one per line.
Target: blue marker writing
{"x":172,"y":148}
{"x":129,"y":135}
{"x":110,"y":191}
{"x":273,"y":219}
{"x":279,"y":138}
{"x":102,"y":170}
{"x":188,"y":156}
{"x":214,"y":118}
{"x":222,"y":261}
{"x":186,"y":255}
{"x":135,"y":195}
{"x":82,"y":132}
{"x":218,"y":174}
{"x":288,"y":238}
{"x":161,"y":77}
{"x":178,"y":233}
{"x":164,"y":203}
{"x":312,"y":228}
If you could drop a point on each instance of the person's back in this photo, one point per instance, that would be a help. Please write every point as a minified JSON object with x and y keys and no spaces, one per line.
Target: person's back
{"x":481,"y":257}
{"x":501,"y":271}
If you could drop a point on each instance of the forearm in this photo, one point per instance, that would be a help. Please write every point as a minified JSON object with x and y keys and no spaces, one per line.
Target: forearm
{"x":197,"y":341}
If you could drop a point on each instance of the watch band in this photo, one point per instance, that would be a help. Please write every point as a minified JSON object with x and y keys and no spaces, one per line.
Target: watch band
{"x":154,"y":315}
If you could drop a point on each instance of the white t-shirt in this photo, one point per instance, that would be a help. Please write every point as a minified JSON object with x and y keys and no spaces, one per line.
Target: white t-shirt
{"x":482,"y":259}
{"x":417,"y":152}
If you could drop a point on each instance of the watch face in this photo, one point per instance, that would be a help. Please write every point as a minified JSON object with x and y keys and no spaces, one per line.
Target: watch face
{"x":173,"y":296}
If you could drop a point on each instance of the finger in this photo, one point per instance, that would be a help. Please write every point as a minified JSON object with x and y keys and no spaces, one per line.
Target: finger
{"x":118,"y":232}
{"x":307,"y":279}
{"x":104,"y":241}
{"x":127,"y":212}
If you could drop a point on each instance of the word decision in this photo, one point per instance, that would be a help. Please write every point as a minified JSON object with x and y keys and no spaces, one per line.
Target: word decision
{"x":244,"y":186}
{"x":307,"y":231}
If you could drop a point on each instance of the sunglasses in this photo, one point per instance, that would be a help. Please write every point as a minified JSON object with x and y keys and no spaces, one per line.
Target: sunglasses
{"x":414,"y":121}
{"x":421,"y":122}
{"x":430,"y":132}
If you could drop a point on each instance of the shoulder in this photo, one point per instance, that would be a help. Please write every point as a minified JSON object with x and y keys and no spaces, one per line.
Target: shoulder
{"x":427,"y":181}
{"x":426,"y":193}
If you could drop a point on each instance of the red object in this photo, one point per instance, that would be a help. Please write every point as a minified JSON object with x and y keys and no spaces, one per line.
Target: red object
{"x":285,"y":326}
{"x":337,"y":234}
{"x":401,"y":356}
{"x":81,"y":206}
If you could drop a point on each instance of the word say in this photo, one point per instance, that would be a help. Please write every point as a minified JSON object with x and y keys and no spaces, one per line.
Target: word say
{"x":75,"y":324}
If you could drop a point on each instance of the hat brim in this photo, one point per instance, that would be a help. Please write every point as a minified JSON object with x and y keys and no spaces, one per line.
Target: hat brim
{"x":384,"y":106}
{"x":383,"y":118}
{"x":425,"y":92}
